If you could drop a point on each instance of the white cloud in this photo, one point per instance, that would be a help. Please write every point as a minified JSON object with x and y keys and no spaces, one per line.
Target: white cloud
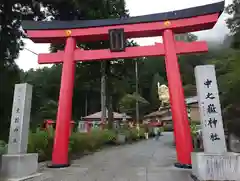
{"x":28,"y":60}
{"x":155,"y":6}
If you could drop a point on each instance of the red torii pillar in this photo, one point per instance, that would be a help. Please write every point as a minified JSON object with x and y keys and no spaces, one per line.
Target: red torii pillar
{"x":64,"y":114}
{"x":177,"y":100}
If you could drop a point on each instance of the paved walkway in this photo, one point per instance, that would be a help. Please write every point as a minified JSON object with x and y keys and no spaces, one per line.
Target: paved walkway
{"x":144,"y":161}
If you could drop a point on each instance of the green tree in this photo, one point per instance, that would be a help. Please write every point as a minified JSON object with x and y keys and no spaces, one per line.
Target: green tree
{"x":94,"y":9}
{"x":87,"y":73}
{"x":187,"y":37}
{"x":49,"y":109}
{"x":234,"y":22}
{"x":127,"y":103}
{"x":10,"y":44}
{"x":11,"y":14}
{"x":227,"y":68}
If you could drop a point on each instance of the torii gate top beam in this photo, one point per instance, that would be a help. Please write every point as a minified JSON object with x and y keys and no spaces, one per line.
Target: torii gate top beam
{"x":180,"y":21}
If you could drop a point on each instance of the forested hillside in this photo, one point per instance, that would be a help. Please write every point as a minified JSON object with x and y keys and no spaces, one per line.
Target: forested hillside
{"x":120,"y":74}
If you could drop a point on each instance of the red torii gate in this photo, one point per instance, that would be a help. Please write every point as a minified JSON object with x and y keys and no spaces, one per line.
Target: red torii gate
{"x":165,"y":24}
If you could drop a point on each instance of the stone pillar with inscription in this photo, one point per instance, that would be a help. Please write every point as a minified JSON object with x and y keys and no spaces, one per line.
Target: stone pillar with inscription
{"x":17,"y":164}
{"x":215,"y":163}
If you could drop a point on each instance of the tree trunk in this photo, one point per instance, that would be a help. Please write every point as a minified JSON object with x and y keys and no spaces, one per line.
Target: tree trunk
{"x":103,"y":91}
{"x":137,"y":93}
{"x":109,"y":94}
{"x":110,"y":112}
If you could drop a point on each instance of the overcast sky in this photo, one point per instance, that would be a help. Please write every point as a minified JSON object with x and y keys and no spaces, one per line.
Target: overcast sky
{"x":27,"y":60}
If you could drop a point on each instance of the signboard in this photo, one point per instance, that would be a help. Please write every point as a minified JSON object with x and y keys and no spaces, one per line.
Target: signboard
{"x":18,"y":137}
{"x":210,"y":110}
{"x":117,"y":40}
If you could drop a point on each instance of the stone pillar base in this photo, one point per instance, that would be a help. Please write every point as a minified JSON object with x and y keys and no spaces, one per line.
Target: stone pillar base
{"x":19,"y":165}
{"x":216,"y":166}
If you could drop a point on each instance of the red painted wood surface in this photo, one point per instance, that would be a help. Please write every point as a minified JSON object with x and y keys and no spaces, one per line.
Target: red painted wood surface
{"x":131,"y":52}
{"x":64,"y":114}
{"x":131,"y":31}
{"x":178,"y":108}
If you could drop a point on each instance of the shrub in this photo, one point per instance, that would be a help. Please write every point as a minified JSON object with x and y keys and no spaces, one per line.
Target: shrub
{"x":82,"y":142}
{"x":41,"y":142}
{"x":3,"y":147}
{"x":141,"y":133}
{"x":95,"y":140}
{"x":193,"y":127}
{"x":78,"y":143}
{"x":134,"y":134}
{"x":109,"y":137}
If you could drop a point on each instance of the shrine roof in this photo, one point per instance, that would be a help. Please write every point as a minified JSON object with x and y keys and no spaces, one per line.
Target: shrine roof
{"x":191,"y":100}
{"x":171,"y":15}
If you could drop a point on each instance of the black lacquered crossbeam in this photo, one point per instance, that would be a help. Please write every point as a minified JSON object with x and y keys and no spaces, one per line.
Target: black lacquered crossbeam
{"x":172,"y":15}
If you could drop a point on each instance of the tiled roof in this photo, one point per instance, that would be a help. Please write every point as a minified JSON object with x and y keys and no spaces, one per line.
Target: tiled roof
{"x":191,"y":100}
{"x":98,"y":115}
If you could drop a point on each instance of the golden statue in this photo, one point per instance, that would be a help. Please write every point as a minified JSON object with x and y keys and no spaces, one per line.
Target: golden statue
{"x":163,"y":95}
